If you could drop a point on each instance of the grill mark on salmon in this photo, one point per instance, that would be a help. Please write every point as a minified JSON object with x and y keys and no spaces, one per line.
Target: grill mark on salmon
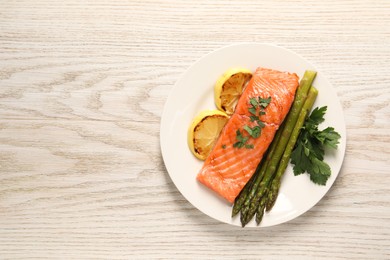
{"x":227,"y":169}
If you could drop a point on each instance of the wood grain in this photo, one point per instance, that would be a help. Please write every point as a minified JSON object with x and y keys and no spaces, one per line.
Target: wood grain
{"x":82,"y":89}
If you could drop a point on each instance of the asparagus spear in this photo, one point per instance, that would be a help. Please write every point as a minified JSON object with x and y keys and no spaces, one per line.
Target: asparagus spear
{"x":252,"y":202}
{"x":250,"y":211}
{"x":252,"y":191}
{"x":260,"y":209}
{"x":239,"y":201}
{"x":274,"y":189}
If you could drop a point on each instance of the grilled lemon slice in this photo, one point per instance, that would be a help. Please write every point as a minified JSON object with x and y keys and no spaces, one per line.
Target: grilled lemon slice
{"x":229,"y":87}
{"x":204,"y":132}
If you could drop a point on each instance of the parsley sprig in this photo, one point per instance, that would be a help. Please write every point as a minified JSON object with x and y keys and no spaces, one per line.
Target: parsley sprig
{"x":309,"y":151}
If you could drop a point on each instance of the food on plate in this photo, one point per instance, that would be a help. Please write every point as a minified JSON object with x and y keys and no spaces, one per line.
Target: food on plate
{"x":262,"y":191}
{"x":267,"y":123}
{"x":229,"y":87}
{"x":246,"y":136}
{"x":204,"y":131}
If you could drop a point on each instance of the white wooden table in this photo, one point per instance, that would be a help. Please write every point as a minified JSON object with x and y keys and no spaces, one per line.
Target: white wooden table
{"x":82,"y":88}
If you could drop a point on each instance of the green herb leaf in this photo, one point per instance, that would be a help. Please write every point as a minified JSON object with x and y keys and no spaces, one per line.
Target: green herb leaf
{"x":241,"y":140}
{"x":309,"y":151}
{"x":240,"y":137}
{"x":299,"y":159}
{"x":253,"y":111}
{"x":248,"y":129}
{"x":249,"y":146}
{"x":261,"y":124}
{"x":320,"y":171}
{"x":317,"y":115}
{"x":307,"y":162}
{"x":238,"y":134}
{"x":238,"y":144}
{"x":329,"y":137}
{"x":253,"y":102}
{"x":264,"y":102}
{"x":255,"y":131}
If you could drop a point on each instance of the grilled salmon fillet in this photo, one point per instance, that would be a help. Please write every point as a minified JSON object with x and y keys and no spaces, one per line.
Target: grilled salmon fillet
{"x":227,"y":168}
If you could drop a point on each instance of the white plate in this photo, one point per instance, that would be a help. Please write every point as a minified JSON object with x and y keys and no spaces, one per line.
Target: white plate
{"x":193,"y":92}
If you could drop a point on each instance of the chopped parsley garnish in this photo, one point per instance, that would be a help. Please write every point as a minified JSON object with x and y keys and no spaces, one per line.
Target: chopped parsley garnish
{"x":253,"y":131}
{"x":257,"y":107}
{"x":309,"y":151}
{"x":241,"y":140}
{"x":264,"y":102}
{"x":249,"y":146}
